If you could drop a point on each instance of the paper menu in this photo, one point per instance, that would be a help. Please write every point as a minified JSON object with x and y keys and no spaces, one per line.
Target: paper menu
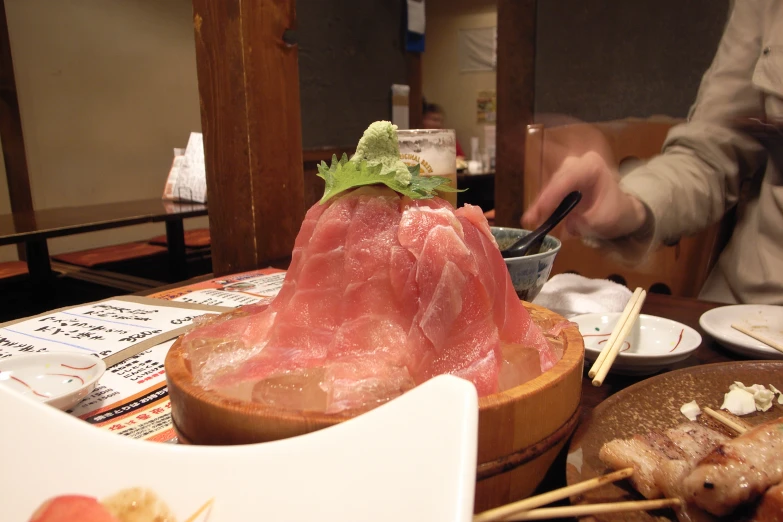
{"x":233,"y":291}
{"x":132,"y":398}
{"x":101,"y":329}
{"x":127,"y":378}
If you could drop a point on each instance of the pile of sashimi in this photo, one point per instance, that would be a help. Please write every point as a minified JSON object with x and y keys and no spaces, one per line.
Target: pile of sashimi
{"x":388,"y":286}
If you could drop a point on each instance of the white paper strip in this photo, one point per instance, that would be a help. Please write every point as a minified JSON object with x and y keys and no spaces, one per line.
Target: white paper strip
{"x":416,"y":19}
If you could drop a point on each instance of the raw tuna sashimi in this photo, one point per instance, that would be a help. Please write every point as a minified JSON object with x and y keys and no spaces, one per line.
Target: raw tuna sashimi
{"x":383,"y":292}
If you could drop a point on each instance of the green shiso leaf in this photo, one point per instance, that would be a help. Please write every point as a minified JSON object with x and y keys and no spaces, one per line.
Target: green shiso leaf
{"x":344,"y":175}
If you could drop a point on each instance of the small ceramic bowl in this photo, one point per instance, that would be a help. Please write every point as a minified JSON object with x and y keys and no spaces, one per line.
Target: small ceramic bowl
{"x":57,"y":379}
{"x":654,"y":343}
{"x":528,"y":273}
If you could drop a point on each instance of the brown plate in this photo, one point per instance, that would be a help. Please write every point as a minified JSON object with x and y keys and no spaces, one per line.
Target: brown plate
{"x":655,"y":404}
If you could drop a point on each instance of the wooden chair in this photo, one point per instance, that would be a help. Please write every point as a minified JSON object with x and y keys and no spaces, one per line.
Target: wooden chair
{"x":680,"y":269}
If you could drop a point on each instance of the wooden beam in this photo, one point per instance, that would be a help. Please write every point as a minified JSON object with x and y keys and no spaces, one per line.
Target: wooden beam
{"x":415,"y":82}
{"x":515,"y":87}
{"x":11,"y":136}
{"x":248,"y":81}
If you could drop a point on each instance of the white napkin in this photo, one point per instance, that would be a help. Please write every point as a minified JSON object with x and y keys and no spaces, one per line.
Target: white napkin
{"x":571,"y":294}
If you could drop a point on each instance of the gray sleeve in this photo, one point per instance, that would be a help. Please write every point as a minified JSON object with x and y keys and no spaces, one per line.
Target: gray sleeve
{"x":697,"y":177}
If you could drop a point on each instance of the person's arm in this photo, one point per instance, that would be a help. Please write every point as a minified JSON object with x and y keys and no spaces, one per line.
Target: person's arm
{"x":697,"y":178}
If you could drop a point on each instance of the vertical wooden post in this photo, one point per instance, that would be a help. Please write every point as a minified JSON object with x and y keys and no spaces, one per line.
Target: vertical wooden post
{"x":515,"y":87}
{"x":415,"y":81}
{"x":248,"y":81}
{"x":11,"y":133}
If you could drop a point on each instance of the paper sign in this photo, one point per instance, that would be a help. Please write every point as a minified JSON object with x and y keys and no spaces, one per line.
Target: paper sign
{"x":235,"y":291}
{"x":99,"y":329}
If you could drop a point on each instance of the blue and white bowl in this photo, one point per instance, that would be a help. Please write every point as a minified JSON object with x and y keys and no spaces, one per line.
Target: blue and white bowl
{"x":528,"y":273}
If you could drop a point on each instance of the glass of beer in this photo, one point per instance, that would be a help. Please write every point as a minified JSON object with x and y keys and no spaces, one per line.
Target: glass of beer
{"x":435,"y":150}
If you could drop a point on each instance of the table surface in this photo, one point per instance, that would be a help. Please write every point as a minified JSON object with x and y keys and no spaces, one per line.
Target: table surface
{"x":684,"y":310}
{"x":54,"y":222}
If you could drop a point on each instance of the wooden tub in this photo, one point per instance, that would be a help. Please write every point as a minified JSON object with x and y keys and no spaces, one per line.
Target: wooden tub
{"x":521,"y":430}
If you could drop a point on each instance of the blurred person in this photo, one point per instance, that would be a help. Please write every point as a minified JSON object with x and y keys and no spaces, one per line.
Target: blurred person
{"x":432,"y":118}
{"x":698,"y":176}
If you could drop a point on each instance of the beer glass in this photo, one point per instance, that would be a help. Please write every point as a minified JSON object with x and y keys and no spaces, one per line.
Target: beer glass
{"x":435,"y":150}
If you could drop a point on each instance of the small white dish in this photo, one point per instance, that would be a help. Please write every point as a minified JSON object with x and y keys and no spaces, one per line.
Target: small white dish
{"x":654,"y":343}
{"x":58,"y":379}
{"x":767,"y":320}
{"x":411,"y":459}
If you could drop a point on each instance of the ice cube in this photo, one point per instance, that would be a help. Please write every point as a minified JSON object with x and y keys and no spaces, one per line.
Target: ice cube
{"x":294,"y":390}
{"x":520,"y":364}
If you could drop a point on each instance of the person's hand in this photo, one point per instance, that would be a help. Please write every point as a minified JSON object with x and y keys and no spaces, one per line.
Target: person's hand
{"x":605,"y":210}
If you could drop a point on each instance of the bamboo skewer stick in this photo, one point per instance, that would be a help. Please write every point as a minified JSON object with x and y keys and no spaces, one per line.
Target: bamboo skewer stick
{"x":207,"y":505}
{"x":595,"y":509}
{"x":736,"y":426}
{"x":503,"y":512}
{"x":599,"y":361}
{"x":613,"y":350}
{"x":757,"y":336}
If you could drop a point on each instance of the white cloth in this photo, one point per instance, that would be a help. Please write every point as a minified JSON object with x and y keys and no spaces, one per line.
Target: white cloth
{"x":571,"y":294}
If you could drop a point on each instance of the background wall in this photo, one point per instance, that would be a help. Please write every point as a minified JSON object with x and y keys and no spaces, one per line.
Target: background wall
{"x":108,"y":87}
{"x":350,"y":54}
{"x":594,"y":60}
{"x":443,"y":83}
{"x":614,"y":59}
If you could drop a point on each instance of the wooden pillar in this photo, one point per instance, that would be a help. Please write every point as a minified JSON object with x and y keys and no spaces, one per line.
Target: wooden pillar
{"x":11,"y":133}
{"x":248,"y":82}
{"x":415,"y":81}
{"x":515,"y":89}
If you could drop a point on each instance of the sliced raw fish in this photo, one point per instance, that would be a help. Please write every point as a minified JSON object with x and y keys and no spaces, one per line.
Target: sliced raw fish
{"x":383,"y":292}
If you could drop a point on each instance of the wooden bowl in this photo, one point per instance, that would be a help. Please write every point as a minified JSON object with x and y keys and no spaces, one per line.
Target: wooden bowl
{"x":521,"y":430}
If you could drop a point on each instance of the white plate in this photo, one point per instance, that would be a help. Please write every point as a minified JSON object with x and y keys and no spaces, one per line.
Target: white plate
{"x":767,"y":320}
{"x":654,"y":343}
{"x":412,"y":459}
{"x":58,"y":379}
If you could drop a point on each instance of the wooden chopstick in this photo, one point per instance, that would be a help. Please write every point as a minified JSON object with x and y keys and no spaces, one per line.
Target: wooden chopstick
{"x":503,"y":512}
{"x":611,"y":355}
{"x":615,"y":332}
{"x":595,"y":509}
{"x":736,"y":426}
{"x":766,"y":340}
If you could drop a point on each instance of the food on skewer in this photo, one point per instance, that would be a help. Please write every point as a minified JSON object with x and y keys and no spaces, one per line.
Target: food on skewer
{"x":706,"y":469}
{"x":685,"y":444}
{"x":770,"y":509}
{"x":127,"y":505}
{"x":388,"y":286}
{"x":738,"y":471}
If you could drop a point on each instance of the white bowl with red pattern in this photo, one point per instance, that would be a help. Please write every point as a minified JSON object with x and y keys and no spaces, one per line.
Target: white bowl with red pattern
{"x":57,"y":379}
{"x":654,"y":344}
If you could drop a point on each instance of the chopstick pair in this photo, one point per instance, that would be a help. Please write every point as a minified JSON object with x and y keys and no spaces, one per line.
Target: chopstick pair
{"x":524,"y":509}
{"x":608,"y":354}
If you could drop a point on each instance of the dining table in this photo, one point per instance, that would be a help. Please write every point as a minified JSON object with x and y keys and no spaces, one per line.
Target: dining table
{"x":34,"y":228}
{"x":681,"y":309}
